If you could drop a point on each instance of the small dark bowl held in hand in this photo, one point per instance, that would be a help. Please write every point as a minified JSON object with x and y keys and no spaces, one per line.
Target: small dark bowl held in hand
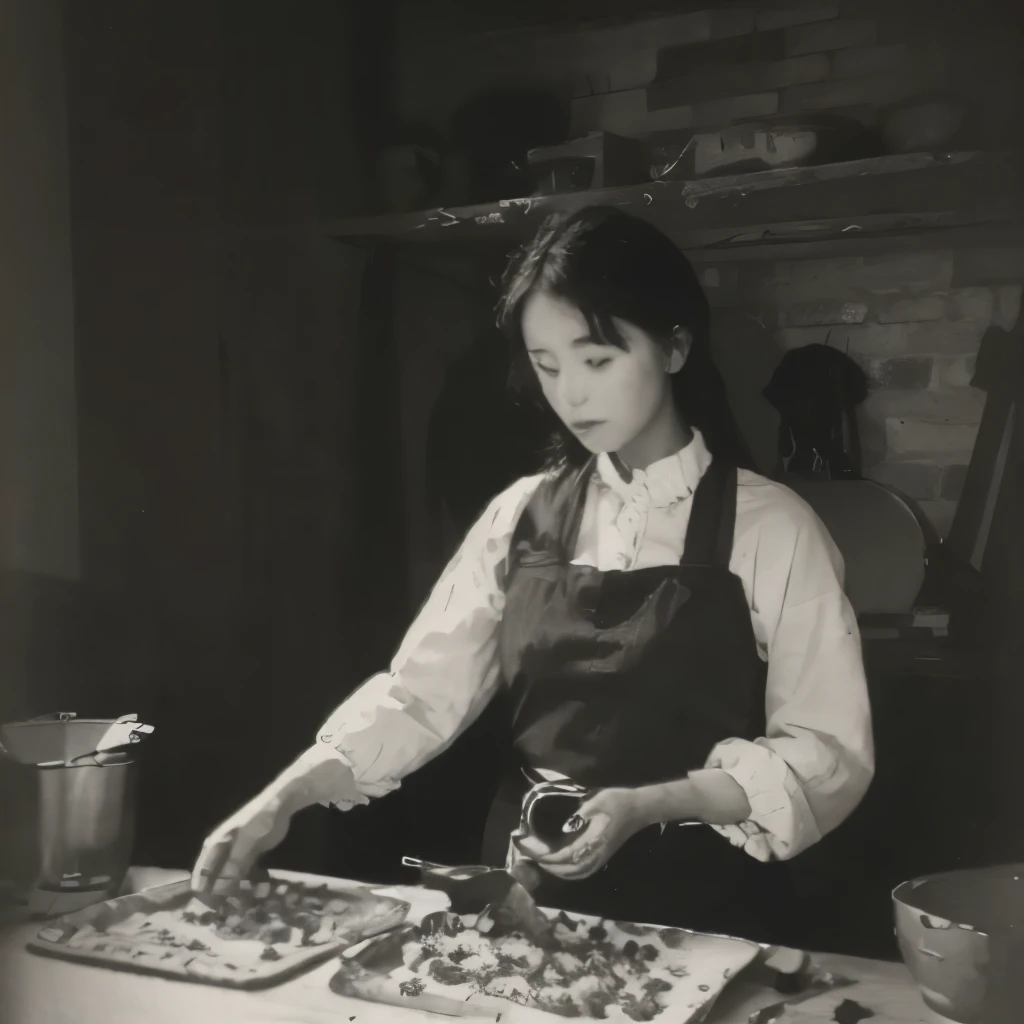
{"x":470,"y":888}
{"x":550,"y":813}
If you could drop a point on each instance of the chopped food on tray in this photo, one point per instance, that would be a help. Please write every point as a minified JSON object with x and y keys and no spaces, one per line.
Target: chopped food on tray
{"x":602,"y":971}
{"x":244,"y":933}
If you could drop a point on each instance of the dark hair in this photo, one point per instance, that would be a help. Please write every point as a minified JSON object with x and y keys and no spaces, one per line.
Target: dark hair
{"x":610,"y":264}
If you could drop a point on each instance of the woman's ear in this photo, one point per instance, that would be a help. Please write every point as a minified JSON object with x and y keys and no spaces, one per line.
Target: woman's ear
{"x":679,"y":352}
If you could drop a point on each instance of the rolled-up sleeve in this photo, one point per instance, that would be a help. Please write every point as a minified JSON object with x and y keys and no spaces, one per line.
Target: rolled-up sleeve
{"x":816,"y":761}
{"x":442,"y":677}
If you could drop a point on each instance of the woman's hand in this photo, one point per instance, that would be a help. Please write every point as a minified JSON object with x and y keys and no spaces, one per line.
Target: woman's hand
{"x":231,"y":850}
{"x":612,"y":817}
{"x":615,"y":815}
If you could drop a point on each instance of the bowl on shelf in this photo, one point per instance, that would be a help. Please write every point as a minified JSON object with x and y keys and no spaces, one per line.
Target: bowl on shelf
{"x":961,"y":935}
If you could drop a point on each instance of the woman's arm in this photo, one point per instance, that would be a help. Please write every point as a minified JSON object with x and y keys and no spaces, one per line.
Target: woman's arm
{"x":442,"y":677}
{"x":711,"y":796}
{"x":816,"y":760}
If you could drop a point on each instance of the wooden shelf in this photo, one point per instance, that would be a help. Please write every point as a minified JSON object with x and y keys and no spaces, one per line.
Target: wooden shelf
{"x":964,"y":197}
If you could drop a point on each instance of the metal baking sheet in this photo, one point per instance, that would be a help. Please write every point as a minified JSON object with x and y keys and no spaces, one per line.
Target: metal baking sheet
{"x":183,"y":967}
{"x":704,"y":966}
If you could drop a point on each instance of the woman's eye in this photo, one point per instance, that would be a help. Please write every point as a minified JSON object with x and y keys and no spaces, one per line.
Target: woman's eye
{"x":549,"y":370}
{"x":596,"y":364}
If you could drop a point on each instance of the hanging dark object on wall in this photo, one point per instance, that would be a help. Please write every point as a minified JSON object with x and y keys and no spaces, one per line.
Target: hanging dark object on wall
{"x":493,"y":132}
{"x":815,"y":390}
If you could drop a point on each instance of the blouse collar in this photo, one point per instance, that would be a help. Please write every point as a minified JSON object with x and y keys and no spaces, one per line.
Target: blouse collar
{"x":667,"y":481}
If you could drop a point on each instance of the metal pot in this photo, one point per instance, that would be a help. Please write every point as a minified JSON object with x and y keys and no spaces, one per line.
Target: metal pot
{"x":961,"y":935}
{"x":87,"y":801}
{"x":86,"y":827}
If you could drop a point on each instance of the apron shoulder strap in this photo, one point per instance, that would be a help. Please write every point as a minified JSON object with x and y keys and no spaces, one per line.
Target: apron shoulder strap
{"x":709,"y":534}
{"x":549,"y":524}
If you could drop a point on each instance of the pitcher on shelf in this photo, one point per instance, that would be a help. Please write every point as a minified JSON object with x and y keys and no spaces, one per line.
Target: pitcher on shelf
{"x":670,"y":626}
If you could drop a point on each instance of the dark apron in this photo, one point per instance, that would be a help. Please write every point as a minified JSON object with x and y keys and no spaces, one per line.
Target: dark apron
{"x":628,"y":678}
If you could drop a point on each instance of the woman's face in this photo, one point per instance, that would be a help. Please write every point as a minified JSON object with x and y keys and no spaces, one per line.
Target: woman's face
{"x":610,"y":398}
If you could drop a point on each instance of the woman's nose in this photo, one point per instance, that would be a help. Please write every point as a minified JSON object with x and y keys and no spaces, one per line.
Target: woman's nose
{"x":573,"y":393}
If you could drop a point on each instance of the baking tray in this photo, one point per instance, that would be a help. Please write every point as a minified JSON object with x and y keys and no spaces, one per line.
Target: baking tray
{"x":703,"y":966}
{"x":183,"y":965}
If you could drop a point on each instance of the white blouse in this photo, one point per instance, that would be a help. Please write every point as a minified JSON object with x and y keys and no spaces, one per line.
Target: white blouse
{"x":802,"y":779}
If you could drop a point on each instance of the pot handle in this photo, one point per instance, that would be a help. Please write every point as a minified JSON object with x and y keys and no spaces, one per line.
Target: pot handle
{"x":101,"y":758}
{"x":53,"y":716}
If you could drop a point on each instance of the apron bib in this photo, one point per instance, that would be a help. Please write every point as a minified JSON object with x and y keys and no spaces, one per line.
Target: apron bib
{"x":628,"y":678}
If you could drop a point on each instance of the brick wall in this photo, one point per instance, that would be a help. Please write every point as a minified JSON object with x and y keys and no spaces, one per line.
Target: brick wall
{"x":706,"y":68}
{"x":914,"y":320}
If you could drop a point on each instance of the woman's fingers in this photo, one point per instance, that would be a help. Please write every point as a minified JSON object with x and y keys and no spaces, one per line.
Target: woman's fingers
{"x":212,"y":859}
{"x":585,"y":842}
{"x":531,"y":846}
{"x":230,"y":852}
{"x":606,"y":824}
{"x":527,"y":874}
{"x":604,"y":801}
{"x":239,"y":861}
{"x":588,"y":861}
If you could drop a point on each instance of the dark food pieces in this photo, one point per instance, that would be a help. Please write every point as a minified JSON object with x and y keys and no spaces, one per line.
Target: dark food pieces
{"x":265,"y":921}
{"x":584,"y":972}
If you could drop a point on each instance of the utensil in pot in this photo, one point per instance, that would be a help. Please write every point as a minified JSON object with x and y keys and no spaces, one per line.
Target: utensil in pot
{"x":62,"y":738}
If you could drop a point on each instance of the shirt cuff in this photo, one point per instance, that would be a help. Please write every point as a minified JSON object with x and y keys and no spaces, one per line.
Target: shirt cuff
{"x":331,"y":777}
{"x":781,"y":823}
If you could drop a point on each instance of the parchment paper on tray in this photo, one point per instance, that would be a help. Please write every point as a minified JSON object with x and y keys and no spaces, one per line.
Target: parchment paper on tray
{"x":595,"y":969}
{"x":260,"y":936}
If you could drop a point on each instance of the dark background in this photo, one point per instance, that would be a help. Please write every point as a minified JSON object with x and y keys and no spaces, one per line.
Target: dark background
{"x":246,"y":554}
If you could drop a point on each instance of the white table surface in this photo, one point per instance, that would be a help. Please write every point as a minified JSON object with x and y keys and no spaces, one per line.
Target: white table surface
{"x":42,"y":990}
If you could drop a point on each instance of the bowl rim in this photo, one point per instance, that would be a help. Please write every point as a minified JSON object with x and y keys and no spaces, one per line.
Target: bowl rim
{"x":900,"y":892}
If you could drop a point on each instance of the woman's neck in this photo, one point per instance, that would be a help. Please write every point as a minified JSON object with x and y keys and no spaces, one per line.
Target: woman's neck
{"x":665,"y":435}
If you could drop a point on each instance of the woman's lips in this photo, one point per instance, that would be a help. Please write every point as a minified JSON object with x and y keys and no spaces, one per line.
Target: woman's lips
{"x":583,"y":426}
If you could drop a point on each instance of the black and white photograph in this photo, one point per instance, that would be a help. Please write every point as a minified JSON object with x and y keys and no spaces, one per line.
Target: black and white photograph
{"x":507,"y":511}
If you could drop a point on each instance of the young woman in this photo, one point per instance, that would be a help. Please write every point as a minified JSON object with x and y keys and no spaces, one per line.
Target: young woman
{"x":670,"y":626}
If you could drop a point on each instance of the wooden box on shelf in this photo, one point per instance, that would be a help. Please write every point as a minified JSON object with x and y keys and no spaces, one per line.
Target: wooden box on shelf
{"x":598,"y":160}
